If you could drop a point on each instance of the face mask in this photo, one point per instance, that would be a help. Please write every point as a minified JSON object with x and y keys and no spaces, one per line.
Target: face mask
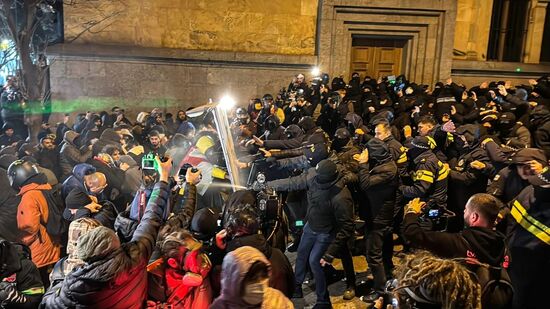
{"x":254,"y":293}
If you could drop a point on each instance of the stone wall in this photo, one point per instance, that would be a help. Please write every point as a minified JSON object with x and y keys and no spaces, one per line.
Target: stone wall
{"x":90,"y":77}
{"x":473,"y":22}
{"x":261,"y":26}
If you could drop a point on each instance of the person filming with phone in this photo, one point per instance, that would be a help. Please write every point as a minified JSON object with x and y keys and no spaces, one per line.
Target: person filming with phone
{"x":478,"y":240}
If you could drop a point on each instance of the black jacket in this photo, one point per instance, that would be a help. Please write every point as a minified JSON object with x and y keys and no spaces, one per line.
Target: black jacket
{"x":120,"y":279}
{"x":330,"y":206}
{"x":9,"y":201}
{"x":23,"y":287}
{"x":465,"y":181}
{"x":507,"y":184}
{"x":282,"y":275}
{"x":430,"y":180}
{"x":487,"y":245}
{"x":379,"y":185}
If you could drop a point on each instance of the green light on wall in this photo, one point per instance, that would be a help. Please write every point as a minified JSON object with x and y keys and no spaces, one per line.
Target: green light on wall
{"x":518,"y":69}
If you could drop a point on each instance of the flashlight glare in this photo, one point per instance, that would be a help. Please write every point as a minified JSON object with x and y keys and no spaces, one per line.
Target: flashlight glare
{"x":227,"y":102}
{"x":315,"y":71}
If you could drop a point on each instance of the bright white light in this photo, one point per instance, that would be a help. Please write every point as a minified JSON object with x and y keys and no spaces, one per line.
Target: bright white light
{"x":315,"y":71}
{"x":227,"y":102}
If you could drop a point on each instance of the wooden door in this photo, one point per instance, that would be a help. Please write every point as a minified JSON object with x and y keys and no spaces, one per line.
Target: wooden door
{"x":376,"y":61}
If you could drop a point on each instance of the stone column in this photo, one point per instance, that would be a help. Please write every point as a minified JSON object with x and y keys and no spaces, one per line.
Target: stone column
{"x":535,"y":31}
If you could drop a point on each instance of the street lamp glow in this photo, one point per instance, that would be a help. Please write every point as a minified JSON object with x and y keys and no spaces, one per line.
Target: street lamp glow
{"x":227,"y":102}
{"x":315,"y":71}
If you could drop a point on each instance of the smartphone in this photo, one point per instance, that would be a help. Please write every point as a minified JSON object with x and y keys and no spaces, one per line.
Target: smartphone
{"x":433,"y":213}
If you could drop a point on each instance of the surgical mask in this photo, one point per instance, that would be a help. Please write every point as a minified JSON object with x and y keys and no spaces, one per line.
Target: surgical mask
{"x":254,"y":292}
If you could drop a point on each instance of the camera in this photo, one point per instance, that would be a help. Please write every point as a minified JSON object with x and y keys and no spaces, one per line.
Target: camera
{"x":183,"y":170}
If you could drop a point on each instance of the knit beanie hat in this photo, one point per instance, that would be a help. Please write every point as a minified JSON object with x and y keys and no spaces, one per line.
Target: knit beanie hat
{"x":97,"y":244}
{"x":77,"y":199}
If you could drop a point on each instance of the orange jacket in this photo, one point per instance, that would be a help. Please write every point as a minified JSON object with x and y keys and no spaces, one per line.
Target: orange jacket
{"x":32,"y":215}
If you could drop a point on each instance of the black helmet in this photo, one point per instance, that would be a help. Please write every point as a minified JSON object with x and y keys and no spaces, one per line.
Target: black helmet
{"x":267,"y":97}
{"x":20,"y":171}
{"x":271,"y":123}
{"x":325,"y":79}
{"x":241,"y":113}
{"x":244,"y":220}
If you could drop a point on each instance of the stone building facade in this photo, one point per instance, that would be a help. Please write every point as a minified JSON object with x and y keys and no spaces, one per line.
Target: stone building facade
{"x":181,"y":53}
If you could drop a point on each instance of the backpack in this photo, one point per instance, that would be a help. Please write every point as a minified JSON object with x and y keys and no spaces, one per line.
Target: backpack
{"x":57,"y":227}
{"x":496,"y":286}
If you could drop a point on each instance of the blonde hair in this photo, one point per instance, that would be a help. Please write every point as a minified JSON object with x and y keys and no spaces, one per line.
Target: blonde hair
{"x":445,"y":281}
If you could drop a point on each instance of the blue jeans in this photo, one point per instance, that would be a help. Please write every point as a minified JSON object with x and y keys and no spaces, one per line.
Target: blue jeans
{"x":312,"y":247}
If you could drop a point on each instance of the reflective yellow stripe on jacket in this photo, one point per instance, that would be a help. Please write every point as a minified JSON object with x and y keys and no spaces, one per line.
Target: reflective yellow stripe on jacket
{"x":403,"y":157}
{"x":529,"y":223}
{"x":443,"y":171}
{"x":33,"y":291}
{"x":424,"y":175}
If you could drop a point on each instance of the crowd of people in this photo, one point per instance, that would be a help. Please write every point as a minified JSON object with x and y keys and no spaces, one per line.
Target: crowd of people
{"x":107,"y":212}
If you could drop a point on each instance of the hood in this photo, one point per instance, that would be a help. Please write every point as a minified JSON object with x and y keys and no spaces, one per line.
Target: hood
{"x":110,"y":136}
{"x":471,"y":133}
{"x":82,"y":169}
{"x":70,"y":136}
{"x":234,"y":268}
{"x":237,"y":198}
{"x":255,"y":241}
{"x":488,"y":244}
{"x":355,"y":120}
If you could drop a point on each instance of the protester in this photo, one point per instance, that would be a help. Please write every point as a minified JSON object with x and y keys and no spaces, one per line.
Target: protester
{"x":329,"y":182}
{"x":245,"y":276}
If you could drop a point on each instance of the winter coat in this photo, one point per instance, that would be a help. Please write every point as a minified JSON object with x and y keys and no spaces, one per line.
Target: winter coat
{"x":76,"y":180}
{"x":70,"y":155}
{"x":32,"y":215}
{"x":282,"y":275}
{"x":465,"y":181}
{"x":108,"y":137}
{"x":485,"y":244}
{"x":118,"y":280}
{"x":21,"y":286}
{"x":531,"y":214}
{"x":519,"y":137}
{"x":379,"y":185}
{"x":429,"y":180}
{"x":540,"y":122}
{"x":507,"y":184}
{"x":330,"y":206}
{"x":9,"y":202}
{"x":235,"y":266}
{"x":49,"y":159}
